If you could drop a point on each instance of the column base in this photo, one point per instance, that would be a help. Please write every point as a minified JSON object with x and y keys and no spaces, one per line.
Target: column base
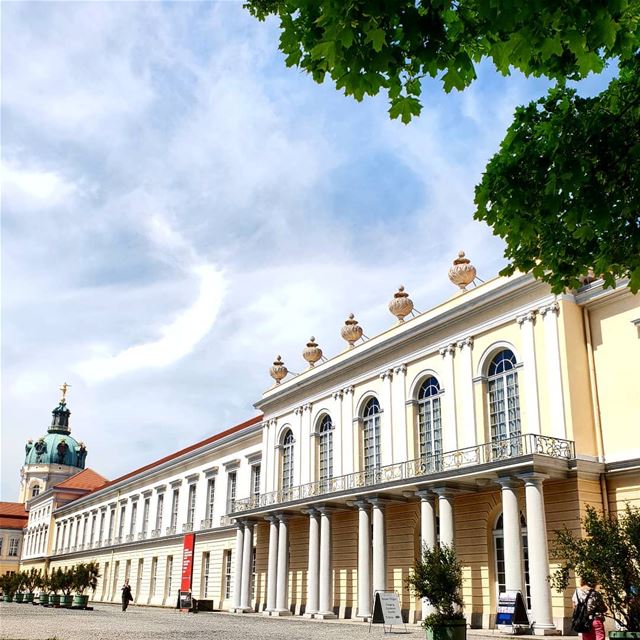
{"x":267,"y":612}
{"x":280,"y":612}
{"x":365,"y":617}
{"x":310,"y":615}
{"x":327,"y":615}
{"x":241,"y":609}
{"x":546,"y":631}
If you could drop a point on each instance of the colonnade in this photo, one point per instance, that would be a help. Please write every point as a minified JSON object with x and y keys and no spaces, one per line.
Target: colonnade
{"x":372,"y":565}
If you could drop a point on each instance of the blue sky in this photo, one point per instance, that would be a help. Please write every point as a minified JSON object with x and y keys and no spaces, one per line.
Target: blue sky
{"x":178,"y":208}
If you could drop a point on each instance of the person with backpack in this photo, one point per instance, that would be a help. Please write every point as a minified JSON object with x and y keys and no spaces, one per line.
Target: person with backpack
{"x":588,"y":611}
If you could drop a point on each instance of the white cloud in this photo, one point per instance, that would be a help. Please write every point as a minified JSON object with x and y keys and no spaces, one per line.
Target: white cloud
{"x":34,"y":188}
{"x":178,"y":338}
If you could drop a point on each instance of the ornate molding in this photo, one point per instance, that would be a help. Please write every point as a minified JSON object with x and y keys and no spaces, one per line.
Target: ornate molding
{"x":465,"y":342}
{"x":308,"y":407}
{"x":402,"y":369}
{"x":298,"y":411}
{"x":527,"y":317}
{"x":337,"y":395}
{"x":554,"y":307}
{"x":387,"y":375}
{"x":449,"y":350}
{"x":349,"y":390}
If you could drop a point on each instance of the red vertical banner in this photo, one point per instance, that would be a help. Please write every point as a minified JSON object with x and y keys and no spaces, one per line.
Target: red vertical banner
{"x":187,"y":561}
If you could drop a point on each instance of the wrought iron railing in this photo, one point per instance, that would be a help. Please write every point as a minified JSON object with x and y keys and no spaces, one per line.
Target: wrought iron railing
{"x":499,"y":451}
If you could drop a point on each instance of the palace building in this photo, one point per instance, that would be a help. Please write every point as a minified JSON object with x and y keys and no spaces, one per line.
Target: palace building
{"x":486,"y":422}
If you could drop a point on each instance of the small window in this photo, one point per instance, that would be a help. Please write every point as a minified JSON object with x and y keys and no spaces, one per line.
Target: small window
{"x":35,"y":490}
{"x":228,"y":574}
{"x":232,"y":482}
{"x":255,"y":480}
{"x":211,"y":496}
{"x":191,"y":511}
{"x":206,"y":567}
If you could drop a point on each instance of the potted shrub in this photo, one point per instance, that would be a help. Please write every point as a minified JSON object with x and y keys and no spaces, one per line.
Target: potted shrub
{"x":66,"y":586}
{"x":437,"y":576}
{"x":8,"y":583}
{"x":55,"y":584}
{"x":85,"y":576}
{"x":30,"y":580}
{"x":609,"y":553}
{"x":44,"y":584}
{"x":19,"y":583}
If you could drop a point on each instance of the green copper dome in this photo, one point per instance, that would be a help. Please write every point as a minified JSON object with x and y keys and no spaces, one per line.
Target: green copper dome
{"x":57,"y":446}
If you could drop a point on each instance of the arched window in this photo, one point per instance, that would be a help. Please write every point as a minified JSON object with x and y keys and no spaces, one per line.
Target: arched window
{"x":287,"y":460}
{"x":498,"y":545}
{"x":35,"y":490}
{"x":325,"y":446}
{"x":504,"y":401}
{"x":371,"y":438}
{"x":430,"y":421}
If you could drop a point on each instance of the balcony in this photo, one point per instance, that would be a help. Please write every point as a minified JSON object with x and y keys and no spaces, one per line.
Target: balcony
{"x":506,"y":451}
{"x":171,"y":531}
{"x":187,"y":527}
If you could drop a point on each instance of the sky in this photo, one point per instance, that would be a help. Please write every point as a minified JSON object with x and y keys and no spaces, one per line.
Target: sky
{"x":178,"y":208}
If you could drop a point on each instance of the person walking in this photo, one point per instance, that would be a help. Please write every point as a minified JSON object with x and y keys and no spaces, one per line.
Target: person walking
{"x":126,"y":594}
{"x":588,"y":600}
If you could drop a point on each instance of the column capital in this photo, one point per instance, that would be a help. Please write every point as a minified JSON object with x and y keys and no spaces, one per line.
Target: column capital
{"x":444,"y":492}
{"x":507,"y":482}
{"x":465,"y":342}
{"x":376,"y":502}
{"x":362,"y":503}
{"x":308,"y":406}
{"x":448,"y":350}
{"x":283,"y":517}
{"x":272,"y":422}
{"x":348,"y":390}
{"x":400,"y":370}
{"x":527,"y":317}
{"x":426,"y":495}
{"x":337,"y":395}
{"x":271,"y":518}
{"x":534,"y":478}
{"x":298,"y":411}
{"x":387,"y":375}
{"x":311,"y":511}
{"x":552,"y":308}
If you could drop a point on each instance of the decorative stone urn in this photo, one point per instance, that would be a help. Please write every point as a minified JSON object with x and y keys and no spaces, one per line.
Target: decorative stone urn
{"x":278,"y":371}
{"x":312,"y":352}
{"x":462,"y":272}
{"x":401,"y":305}
{"x":351,"y":330}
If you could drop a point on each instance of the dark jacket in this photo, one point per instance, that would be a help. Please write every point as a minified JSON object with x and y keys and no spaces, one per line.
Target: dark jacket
{"x":126,"y":593}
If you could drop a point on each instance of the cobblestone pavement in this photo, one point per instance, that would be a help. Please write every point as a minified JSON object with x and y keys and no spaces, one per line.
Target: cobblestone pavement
{"x":108,"y":622}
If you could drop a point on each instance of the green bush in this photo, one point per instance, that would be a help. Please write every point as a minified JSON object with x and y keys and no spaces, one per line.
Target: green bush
{"x":437,"y":576}
{"x":609,"y":556}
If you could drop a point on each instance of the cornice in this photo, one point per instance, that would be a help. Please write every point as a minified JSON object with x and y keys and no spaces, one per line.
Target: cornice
{"x":333,"y":373}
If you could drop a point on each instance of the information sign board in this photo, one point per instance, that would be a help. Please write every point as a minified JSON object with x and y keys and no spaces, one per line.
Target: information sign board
{"x":386,"y":609}
{"x":511,"y":609}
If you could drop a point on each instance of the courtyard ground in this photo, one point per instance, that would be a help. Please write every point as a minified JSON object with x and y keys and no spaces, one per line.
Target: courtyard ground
{"x":108,"y":622}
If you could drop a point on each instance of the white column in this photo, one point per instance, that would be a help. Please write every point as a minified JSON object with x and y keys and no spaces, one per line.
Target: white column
{"x":541,"y":611}
{"x":272,"y":569}
{"x":379,"y":547}
{"x":400,"y":448}
{"x":313,"y":567}
{"x":445,"y":511}
{"x":310,"y":443}
{"x":512,"y":536}
{"x":282,"y":604}
{"x":266,"y":459}
{"x":449,"y":419}
{"x":428,"y":535}
{"x":247,"y":554}
{"x":386,"y":422}
{"x":349,"y":429}
{"x":325,"y":604}
{"x":552,"y":371}
{"x":526,"y":323}
{"x":302,"y":451}
{"x":467,"y":418}
{"x":237,"y":585}
{"x":336,"y":417}
{"x":364,"y":561}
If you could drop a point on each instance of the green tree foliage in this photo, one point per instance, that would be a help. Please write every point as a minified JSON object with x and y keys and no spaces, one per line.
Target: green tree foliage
{"x":609,"y":556}
{"x":368,"y":46}
{"x":564,"y":189}
{"x":437,"y":576}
